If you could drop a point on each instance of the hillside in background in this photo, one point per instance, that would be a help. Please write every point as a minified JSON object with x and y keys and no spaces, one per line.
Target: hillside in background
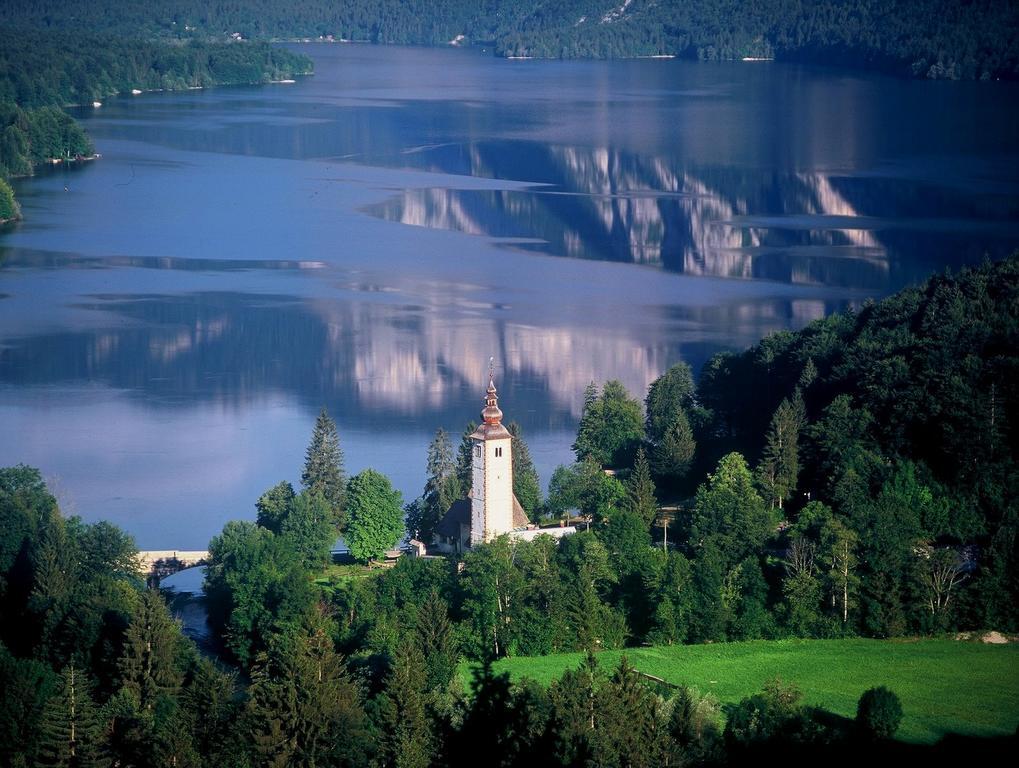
{"x":956,"y":39}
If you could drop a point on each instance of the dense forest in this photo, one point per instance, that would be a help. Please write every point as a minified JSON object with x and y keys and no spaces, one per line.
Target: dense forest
{"x":863,"y":482}
{"x":958,"y":39}
{"x":41,"y":72}
{"x":62,"y":68}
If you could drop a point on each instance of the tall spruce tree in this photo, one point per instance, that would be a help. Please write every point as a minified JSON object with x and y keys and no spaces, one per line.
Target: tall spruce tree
{"x":526,"y":485}
{"x":586,"y":444}
{"x":406,"y":736}
{"x":303,"y":708}
{"x":668,"y":396}
{"x":323,"y":466}
{"x":71,"y":731}
{"x":442,"y":487}
{"x":53,"y":582}
{"x":464,"y":459}
{"x":640,"y":490}
{"x":437,"y":641}
{"x":629,"y":732}
{"x":210,"y":698}
{"x":667,"y":425}
{"x":673,"y":454}
{"x":150,"y":662}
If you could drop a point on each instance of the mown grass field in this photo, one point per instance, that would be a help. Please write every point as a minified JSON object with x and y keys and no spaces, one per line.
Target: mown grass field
{"x":945,"y":686}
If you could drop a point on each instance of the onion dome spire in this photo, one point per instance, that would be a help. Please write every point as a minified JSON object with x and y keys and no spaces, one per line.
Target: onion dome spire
{"x":491,"y":414}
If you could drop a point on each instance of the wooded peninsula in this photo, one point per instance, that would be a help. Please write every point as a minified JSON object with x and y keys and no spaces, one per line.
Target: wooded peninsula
{"x":41,"y":73}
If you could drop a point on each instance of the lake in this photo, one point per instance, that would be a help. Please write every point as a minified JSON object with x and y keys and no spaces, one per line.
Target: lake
{"x":174,"y":315}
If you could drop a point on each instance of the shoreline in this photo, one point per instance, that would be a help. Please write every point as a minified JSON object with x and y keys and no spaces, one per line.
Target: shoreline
{"x":289,"y":80}
{"x":62,"y":160}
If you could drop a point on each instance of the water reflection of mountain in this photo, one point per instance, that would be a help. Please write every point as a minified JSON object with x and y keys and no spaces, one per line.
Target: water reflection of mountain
{"x":871,"y":232}
{"x":375,"y":364}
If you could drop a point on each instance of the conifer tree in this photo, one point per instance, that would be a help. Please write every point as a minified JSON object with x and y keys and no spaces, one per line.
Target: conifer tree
{"x":611,"y":426}
{"x":586,"y":444}
{"x":406,"y":735}
{"x":54,"y":579}
{"x":673,"y":454}
{"x":303,"y":709}
{"x":171,"y":740}
{"x":807,"y":376}
{"x":435,"y":638}
{"x":629,"y":732}
{"x":485,"y":729}
{"x":465,"y":459}
{"x":669,"y":395}
{"x":209,"y":698}
{"x":526,"y":485}
{"x":71,"y":730}
{"x":323,"y":466}
{"x":640,"y":490}
{"x":442,"y":487}
{"x":667,"y":425}
{"x":575,"y":711}
{"x":149,"y":665}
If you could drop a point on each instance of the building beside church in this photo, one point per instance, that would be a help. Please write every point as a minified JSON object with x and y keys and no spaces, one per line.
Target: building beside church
{"x":491,"y":508}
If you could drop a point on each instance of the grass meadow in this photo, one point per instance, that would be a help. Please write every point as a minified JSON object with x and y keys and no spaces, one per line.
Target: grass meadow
{"x":945,"y":686}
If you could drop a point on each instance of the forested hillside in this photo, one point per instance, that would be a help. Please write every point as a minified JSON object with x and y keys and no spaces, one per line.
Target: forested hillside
{"x":62,"y":68}
{"x":966,"y":39}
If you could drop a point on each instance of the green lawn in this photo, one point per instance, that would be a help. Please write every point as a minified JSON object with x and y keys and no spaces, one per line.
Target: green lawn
{"x":945,"y":686}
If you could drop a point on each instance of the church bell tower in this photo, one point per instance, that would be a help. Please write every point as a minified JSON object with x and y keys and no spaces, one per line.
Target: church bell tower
{"x":491,"y":472}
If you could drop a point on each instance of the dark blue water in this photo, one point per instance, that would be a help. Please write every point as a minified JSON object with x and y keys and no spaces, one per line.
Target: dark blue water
{"x":173,"y":315}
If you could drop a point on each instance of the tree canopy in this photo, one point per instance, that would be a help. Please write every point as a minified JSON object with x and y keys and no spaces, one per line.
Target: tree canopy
{"x":375,"y":515}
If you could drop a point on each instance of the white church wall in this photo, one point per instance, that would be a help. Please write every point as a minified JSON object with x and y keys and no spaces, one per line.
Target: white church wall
{"x":499,"y":487}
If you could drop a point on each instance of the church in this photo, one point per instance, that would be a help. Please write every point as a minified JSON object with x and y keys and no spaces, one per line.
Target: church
{"x":491,"y":508}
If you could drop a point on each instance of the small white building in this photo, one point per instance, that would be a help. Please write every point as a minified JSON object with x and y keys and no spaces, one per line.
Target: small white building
{"x":491,"y":508}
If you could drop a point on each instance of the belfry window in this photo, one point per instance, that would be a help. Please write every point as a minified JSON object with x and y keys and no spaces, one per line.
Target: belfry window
{"x":477,"y":451}
{"x":498,"y":452}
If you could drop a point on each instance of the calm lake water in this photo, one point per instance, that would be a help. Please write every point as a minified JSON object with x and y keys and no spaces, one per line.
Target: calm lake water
{"x":173,"y":316}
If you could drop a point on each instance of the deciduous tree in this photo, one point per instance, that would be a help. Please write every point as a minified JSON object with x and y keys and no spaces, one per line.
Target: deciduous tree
{"x":780,"y":464}
{"x":374,"y":515}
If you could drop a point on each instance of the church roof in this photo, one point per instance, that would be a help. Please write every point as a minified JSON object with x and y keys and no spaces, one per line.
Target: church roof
{"x":520,"y":519}
{"x":459,"y":513}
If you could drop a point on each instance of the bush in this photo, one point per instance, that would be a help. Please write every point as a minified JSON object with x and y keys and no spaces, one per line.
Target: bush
{"x":879,"y":713}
